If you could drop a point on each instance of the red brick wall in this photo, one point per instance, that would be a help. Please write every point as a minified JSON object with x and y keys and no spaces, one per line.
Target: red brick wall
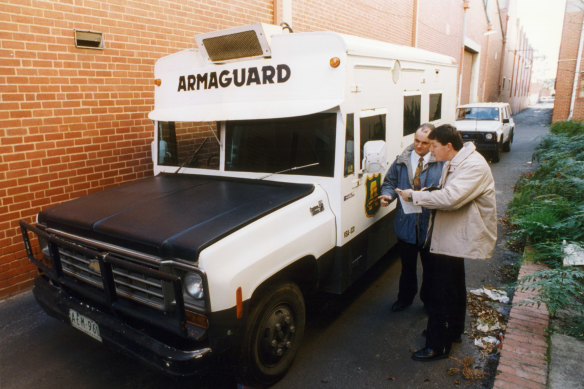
{"x":384,"y":20}
{"x":440,"y":27}
{"x":567,"y":67}
{"x":74,"y":120}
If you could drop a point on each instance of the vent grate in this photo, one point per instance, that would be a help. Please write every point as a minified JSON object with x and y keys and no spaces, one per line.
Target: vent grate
{"x":88,"y":40}
{"x":233,"y":46}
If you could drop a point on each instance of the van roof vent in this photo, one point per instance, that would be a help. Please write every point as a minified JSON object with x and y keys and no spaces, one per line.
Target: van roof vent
{"x":236,"y":43}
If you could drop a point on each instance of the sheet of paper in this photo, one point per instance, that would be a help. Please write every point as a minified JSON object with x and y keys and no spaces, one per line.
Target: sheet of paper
{"x":410,"y":207}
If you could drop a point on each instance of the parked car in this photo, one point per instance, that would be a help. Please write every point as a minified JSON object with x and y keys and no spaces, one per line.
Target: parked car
{"x":488,"y":125}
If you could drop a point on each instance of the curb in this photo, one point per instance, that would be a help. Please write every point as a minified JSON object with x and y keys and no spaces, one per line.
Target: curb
{"x":523,"y":361}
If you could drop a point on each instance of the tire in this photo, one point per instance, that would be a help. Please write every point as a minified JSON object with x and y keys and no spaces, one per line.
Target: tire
{"x":496,"y":155}
{"x":274,"y":331}
{"x":507,"y":145}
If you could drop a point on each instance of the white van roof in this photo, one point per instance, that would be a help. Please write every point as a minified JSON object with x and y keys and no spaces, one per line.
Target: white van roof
{"x":295,"y":79}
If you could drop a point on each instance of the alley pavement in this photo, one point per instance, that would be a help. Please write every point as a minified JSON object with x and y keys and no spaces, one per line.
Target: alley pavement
{"x":525,"y":362}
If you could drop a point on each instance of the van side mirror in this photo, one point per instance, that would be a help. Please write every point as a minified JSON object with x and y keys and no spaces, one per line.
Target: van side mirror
{"x":374,"y":157}
{"x":506,"y":120}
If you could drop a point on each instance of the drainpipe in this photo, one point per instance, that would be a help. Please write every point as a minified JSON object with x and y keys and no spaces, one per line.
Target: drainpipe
{"x":465,"y":6}
{"x":414,"y":41}
{"x":577,"y":72}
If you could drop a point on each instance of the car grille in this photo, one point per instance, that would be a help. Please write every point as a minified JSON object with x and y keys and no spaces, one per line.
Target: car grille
{"x":128,"y":283}
{"x":473,"y":136}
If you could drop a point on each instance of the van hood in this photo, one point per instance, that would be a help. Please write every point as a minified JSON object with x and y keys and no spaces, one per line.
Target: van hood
{"x":171,"y":215}
{"x":477,"y":125}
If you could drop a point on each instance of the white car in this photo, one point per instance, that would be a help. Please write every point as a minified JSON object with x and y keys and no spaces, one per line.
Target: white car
{"x":488,"y":125}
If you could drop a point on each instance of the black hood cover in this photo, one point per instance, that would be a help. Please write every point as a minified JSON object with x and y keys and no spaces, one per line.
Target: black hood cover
{"x":171,"y":215}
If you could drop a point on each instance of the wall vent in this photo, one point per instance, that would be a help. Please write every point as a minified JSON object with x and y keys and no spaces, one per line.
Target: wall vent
{"x":89,"y":39}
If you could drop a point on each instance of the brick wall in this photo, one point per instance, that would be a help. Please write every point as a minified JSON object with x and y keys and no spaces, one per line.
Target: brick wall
{"x":440,"y":27}
{"x":389,"y":21}
{"x":567,"y":66}
{"x":74,"y":121}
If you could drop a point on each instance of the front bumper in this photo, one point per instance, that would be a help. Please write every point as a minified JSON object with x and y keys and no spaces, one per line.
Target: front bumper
{"x":120,"y":336}
{"x":480,"y":141}
{"x":158,"y":335}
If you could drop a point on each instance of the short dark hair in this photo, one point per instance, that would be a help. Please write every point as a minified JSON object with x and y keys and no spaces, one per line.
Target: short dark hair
{"x":445,"y":134}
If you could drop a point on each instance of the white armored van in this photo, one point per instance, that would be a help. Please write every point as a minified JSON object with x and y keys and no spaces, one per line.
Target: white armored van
{"x":269,"y":151}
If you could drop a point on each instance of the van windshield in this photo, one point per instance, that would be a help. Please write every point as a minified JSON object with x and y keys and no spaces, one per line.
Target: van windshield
{"x":478,"y":113}
{"x":188,"y":144}
{"x":302,"y":145}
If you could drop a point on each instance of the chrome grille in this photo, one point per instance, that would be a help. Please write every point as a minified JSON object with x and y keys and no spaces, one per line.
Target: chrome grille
{"x":77,"y":265}
{"x":139,"y":287}
{"x":128,"y":283}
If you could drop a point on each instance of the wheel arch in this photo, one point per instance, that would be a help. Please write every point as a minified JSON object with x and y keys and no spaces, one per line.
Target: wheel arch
{"x":303,"y":272}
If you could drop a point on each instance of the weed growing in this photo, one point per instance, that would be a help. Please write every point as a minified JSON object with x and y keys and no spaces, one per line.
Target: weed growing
{"x":547,"y":212}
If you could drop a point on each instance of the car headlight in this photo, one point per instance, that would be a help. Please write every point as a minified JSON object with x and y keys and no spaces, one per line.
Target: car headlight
{"x":193,"y":285}
{"x":489,"y":136}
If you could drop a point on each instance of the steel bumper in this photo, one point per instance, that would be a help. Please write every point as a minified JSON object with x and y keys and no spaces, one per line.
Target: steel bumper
{"x":118,"y":335}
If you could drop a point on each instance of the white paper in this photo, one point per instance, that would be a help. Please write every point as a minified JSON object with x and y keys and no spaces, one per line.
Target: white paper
{"x":410,"y":207}
{"x":573,"y":254}
{"x":493,"y":294}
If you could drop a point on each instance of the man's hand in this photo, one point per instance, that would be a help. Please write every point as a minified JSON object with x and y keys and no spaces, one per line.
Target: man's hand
{"x":385,"y":200}
{"x":406,"y":194}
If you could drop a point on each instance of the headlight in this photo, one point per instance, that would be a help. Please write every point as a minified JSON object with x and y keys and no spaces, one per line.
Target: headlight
{"x":193,"y":286}
{"x":44,"y":245}
{"x":489,"y":136}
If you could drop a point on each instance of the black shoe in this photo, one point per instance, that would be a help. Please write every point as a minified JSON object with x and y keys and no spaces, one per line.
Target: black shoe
{"x":399,"y":306}
{"x":455,"y":340}
{"x":429,"y":354}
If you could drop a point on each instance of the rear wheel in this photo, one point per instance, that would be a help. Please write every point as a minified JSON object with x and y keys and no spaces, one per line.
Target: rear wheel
{"x":273,"y":335}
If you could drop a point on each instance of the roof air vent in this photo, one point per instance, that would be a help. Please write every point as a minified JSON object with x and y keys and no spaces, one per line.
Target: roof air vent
{"x":236,"y":43}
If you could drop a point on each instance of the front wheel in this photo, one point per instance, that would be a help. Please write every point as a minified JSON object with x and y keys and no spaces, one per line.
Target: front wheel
{"x":507,"y":145}
{"x":275,"y":328}
{"x":496,"y":154}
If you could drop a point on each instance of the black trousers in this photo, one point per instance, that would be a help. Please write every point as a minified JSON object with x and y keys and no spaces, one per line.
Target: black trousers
{"x":408,"y":280}
{"x":447,"y":300}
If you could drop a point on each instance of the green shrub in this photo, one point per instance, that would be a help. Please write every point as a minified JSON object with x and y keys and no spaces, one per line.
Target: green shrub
{"x":567,"y":127}
{"x":548,"y":208}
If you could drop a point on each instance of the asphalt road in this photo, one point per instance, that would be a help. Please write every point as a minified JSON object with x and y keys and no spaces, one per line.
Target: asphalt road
{"x":351,"y":341}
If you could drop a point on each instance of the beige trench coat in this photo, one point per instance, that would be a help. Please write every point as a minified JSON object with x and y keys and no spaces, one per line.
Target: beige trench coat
{"x":465,"y":224}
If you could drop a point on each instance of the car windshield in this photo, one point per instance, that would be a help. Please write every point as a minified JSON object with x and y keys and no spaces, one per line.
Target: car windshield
{"x":299,"y":145}
{"x":478,"y":113}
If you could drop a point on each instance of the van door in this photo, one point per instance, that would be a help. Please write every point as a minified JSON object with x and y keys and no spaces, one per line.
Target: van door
{"x":363,"y":241}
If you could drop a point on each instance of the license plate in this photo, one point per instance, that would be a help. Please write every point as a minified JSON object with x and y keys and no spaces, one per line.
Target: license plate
{"x":84,"y":324}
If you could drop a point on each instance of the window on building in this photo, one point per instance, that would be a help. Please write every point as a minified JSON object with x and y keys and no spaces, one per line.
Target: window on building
{"x":435,"y":111}
{"x":411,"y":113}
